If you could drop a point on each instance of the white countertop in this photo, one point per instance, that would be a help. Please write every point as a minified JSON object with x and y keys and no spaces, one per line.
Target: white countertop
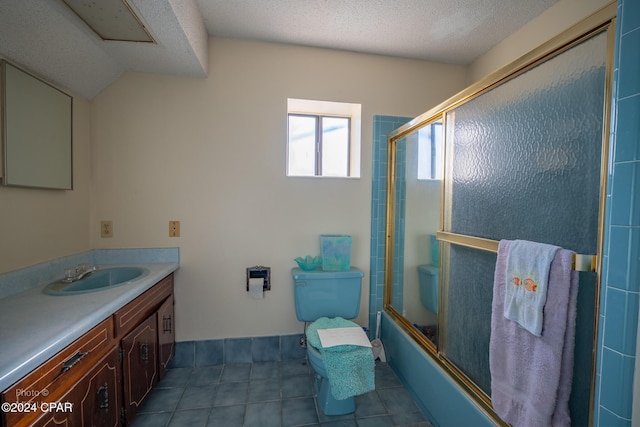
{"x":36,"y":326}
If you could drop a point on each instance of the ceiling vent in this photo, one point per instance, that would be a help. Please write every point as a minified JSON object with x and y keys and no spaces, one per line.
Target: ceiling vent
{"x":112,"y":20}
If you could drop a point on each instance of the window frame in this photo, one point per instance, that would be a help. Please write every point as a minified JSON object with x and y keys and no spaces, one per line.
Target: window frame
{"x":319,"y":142}
{"x":328,"y":109}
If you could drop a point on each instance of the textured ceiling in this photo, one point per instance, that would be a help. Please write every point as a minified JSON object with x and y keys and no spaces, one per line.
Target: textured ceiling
{"x":45,"y":37}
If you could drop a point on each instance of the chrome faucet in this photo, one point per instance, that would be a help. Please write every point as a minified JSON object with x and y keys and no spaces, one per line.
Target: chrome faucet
{"x":76,"y":273}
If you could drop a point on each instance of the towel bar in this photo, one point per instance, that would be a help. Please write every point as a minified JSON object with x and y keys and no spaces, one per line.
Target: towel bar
{"x":580,"y":262}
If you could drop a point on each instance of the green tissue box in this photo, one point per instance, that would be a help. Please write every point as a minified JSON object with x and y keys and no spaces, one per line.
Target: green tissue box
{"x":336,"y":252}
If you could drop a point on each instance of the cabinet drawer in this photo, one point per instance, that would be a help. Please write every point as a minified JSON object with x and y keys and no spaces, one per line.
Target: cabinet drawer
{"x":129,"y":316}
{"x":94,"y":400}
{"x":49,"y":382}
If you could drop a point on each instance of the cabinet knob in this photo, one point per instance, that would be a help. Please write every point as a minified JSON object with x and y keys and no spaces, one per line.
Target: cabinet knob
{"x":103,"y":397}
{"x":144,"y":352}
{"x":167,"y":324}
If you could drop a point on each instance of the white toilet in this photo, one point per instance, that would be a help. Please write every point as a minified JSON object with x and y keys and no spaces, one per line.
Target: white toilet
{"x":329,"y":294}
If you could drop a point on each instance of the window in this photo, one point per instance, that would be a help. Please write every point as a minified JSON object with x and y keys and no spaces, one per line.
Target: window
{"x":430,"y":146}
{"x":323,"y":139}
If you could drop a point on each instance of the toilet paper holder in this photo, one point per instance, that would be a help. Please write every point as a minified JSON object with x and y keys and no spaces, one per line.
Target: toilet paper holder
{"x":259,"y":271}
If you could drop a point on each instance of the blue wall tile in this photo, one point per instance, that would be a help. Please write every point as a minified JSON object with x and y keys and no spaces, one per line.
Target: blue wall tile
{"x":609,"y":419}
{"x":265,"y":349}
{"x":237,"y":350}
{"x":628,"y":129}
{"x":619,"y":258}
{"x":209,"y":352}
{"x":631,"y":18}
{"x":629,"y":62}
{"x":290,"y":347}
{"x":184,"y":356}
{"x":622,"y":192}
{"x":621,"y":314}
{"x":619,"y":307}
{"x":382,"y":126}
{"x":616,"y":389}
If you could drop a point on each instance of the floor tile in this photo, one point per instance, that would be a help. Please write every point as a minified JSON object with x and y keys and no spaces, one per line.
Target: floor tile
{"x":342,"y":423}
{"x":265,"y":371}
{"x":383,"y":421}
{"x":264,"y":390}
{"x":385,"y":377}
{"x":177,"y":377}
{"x":190,"y":418}
{"x":299,"y":386}
{"x":263,"y":414}
{"x":152,"y":420}
{"x":162,"y":400}
{"x":397,"y":400}
{"x":235,"y":372}
{"x":409,"y":419}
{"x":369,"y":404}
{"x":269,"y":394}
{"x":293,"y":368}
{"x":205,"y":376}
{"x":197,"y":397}
{"x":231,"y":394}
{"x":297,"y":412}
{"x":227,"y":416}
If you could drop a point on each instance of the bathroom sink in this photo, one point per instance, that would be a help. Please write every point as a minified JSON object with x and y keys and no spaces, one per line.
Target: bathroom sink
{"x":106,"y":278}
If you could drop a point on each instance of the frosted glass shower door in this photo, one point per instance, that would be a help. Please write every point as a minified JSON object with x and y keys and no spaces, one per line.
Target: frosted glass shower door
{"x":524,"y":162}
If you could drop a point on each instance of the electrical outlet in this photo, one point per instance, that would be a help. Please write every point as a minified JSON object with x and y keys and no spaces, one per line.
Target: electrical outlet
{"x":174,"y":228}
{"x":106,"y":228}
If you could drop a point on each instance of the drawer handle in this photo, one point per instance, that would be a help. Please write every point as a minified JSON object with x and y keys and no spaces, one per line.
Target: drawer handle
{"x":167,"y":324}
{"x":103,"y":397}
{"x":70,"y":362}
{"x":144,"y":352}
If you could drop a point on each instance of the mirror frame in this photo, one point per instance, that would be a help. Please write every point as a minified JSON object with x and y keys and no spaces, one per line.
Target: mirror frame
{"x":36,"y":124}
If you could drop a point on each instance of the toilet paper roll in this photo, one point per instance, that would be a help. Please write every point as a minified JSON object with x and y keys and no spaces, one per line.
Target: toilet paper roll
{"x":256,"y":287}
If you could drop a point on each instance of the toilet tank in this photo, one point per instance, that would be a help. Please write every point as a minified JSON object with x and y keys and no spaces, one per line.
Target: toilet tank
{"x":321,"y":293}
{"x":428,"y":283}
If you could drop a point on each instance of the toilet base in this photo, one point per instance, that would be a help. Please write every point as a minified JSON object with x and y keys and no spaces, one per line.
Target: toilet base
{"x":328,"y":404}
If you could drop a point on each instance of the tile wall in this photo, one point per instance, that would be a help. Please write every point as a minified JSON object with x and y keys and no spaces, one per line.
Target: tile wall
{"x":620,"y":289}
{"x":382,"y":126}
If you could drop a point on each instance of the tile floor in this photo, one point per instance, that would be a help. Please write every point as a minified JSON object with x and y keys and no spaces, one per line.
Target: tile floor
{"x":266,"y":394}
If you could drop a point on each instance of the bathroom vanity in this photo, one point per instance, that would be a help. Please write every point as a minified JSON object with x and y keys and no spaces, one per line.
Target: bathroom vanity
{"x":101,"y":374}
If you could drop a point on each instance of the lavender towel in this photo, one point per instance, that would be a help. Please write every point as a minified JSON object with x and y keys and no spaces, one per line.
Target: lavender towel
{"x":531,"y":376}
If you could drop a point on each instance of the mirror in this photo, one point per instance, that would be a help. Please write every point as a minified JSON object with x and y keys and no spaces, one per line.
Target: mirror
{"x":36,"y":132}
{"x":418,"y":167}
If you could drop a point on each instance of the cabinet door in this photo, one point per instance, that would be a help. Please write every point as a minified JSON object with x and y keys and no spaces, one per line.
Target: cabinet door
{"x":139,"y":364}
{"x":166,"y":335}
{"x":94,"y":401}
{"x":99,"y":403}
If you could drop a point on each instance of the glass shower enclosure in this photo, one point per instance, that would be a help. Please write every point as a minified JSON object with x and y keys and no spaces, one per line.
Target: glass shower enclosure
{"x":524,"y":155}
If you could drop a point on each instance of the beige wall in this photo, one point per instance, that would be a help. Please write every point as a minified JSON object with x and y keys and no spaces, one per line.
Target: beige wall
{"x":211,"y":153}
{"x":550,"y":23}
{"x":40,"y":225}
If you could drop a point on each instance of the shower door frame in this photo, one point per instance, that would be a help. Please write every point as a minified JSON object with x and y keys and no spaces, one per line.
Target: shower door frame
{"x":601,"y":21}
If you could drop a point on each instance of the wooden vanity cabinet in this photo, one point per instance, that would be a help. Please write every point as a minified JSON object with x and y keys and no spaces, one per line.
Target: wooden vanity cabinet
{"x":104,"y":375}
{"x":94,"y":401}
